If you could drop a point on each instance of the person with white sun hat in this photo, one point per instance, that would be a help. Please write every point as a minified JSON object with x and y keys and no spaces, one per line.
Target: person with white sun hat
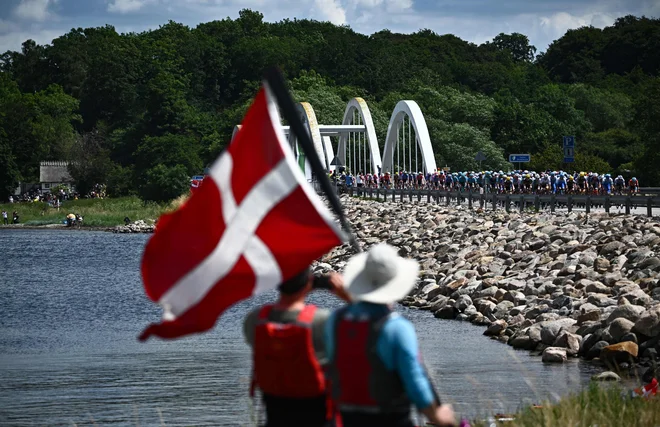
{"x":375,"y":367}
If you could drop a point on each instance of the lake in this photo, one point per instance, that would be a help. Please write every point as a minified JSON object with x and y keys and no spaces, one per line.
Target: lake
{"x":72,"y":305}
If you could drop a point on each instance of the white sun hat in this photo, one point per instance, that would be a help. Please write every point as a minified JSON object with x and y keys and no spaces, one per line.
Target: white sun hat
{"x":380,"y":275}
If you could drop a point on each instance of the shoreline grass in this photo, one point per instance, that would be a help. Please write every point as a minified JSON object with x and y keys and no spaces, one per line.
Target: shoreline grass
{"x":601,"y":405}
{"x":108,"y":212}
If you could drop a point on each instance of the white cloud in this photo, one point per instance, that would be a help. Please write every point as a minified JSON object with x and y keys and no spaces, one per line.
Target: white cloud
{"x":365,"y":3}
{"x":332,"y":11}
{"x":560,"y":22}
{"x":396,"y":5}
{"x":127,"y":6}
{"x":33,"y":10}
{"x":14,"y":40}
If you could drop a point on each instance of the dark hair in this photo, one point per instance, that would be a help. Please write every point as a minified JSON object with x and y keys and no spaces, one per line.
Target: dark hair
{"x":296,"y":283}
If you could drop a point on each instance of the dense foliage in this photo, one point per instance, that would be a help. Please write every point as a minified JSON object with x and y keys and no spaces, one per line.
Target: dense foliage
{"x":140,"y":110}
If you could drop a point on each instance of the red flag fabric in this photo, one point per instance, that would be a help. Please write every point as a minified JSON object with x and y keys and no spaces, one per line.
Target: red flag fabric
{"x":252,"y":223}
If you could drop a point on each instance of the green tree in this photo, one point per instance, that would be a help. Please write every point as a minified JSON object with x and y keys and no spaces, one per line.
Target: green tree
{"x":648,"y":111}
{"x":38,"y":126}
{"x":517,"y":45}
{"x":89,"y":161}
{"x":169,"y":150}
{"x":9,"y":174}
{"x":165,"y":183}
{"x":459,"y":143}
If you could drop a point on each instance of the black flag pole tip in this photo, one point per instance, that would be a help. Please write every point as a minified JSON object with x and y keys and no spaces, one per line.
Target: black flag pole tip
{"x":278,"y":87}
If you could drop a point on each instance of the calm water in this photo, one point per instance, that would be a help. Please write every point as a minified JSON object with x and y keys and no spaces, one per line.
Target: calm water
{"x":72,"y":304}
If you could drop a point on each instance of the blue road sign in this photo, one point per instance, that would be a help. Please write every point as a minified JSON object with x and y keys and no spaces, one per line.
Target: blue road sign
{"x":569,"y":142}
{"x":569,"y":152}
{"x":569,"y":160}
{"x":520,"y":158}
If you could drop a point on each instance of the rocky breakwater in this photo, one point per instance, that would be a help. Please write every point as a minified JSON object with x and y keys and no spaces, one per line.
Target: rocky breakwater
{"x":562,"y":285}
{"x":135,"y":227}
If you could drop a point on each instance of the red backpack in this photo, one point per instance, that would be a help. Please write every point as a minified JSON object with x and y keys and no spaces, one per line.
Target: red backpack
{"x":285,"y":363}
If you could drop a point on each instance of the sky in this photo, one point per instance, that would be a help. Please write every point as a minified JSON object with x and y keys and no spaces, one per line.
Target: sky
{"x":476,"y":21}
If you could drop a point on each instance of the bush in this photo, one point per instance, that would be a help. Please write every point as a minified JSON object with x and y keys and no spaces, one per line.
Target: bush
{"x":120,"y":182}
{"x":164,"y":184}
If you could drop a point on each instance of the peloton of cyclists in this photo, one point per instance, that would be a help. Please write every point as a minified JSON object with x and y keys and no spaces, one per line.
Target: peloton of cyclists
{"x":499,"y":182}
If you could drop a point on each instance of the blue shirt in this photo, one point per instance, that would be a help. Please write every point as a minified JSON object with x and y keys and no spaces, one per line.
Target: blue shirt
{"x":397,"y":348}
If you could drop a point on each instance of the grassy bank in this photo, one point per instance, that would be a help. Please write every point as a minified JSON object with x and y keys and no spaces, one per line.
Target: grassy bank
{"x":599,"y":405}
{"x":96,"y":212}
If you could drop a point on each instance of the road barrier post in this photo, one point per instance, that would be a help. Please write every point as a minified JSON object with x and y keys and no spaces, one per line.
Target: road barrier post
{"x":607,"y":204}
{"x":553,"y":203}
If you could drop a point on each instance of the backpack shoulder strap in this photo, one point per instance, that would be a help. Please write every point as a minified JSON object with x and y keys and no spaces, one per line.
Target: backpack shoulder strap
{"x":264,"y":312}
{"x":306,"y":315}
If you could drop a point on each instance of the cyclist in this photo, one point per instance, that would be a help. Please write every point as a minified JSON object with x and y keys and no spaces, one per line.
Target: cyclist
{"x":633,"y":185}
{"x":619,"y":184}
{"x":471,"y":182}
{"x":420,"y":180}
{"x":607,"y":184}
{"x":462,"y":181}
{"x":449,"y":182}
{"x":570,"y":185}
{"x":582,"y":182}
{"x":561,"y":184}
{"x":527,"y":183}
{"x":508,"y":185}
{"x":544,"y":184}
{"x":594,"y":183}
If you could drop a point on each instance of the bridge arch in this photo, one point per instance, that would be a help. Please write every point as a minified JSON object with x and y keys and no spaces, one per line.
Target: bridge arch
{"x":322,"y":144}
{"x":411,"y":110}
{"x":357,"y":109}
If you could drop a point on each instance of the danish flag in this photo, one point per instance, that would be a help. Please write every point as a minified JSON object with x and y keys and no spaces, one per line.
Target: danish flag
{"x":253,"y":223}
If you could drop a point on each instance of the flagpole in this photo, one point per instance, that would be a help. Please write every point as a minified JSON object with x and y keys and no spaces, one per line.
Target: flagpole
{"x":278,"y":87}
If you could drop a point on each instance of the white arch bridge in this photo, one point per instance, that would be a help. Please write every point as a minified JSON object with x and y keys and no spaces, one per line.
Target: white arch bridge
{"x":407,"y":145}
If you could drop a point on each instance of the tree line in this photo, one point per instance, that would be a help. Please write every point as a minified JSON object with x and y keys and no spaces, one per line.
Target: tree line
{"x":142,"y":112}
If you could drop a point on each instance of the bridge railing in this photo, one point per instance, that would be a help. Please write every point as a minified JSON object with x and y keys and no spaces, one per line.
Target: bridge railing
{"x":509,"y":202}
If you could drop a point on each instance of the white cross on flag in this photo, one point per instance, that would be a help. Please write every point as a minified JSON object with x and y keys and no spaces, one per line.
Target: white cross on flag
{"x":252,"y":223}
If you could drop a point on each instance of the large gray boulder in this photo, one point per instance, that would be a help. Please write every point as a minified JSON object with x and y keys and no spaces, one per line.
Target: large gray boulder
{"x":496,"y":328}
{"x":626,"y":311}
{"x":649,"y":323}
{"x":550,"y":330}
{"x":620,"y":327}
{"x":569,"y":341}
{"x":590,"y":316}
{"x":463,"y":302}
{"x":554,"y":355}
{"x":601,"y":300}
{"x":597,"y":288}
{"x":595,"y":350}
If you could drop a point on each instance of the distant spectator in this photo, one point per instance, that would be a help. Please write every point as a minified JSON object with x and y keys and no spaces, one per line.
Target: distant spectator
{"x":11,"y":199}
{"x":4,"y":218}
{"x":127,"y":220}
{"x":15,"y":217}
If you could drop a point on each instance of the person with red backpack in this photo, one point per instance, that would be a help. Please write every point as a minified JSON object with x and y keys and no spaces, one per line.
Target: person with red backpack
{"x":375,"y":367}
{"x":288,"y":345}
